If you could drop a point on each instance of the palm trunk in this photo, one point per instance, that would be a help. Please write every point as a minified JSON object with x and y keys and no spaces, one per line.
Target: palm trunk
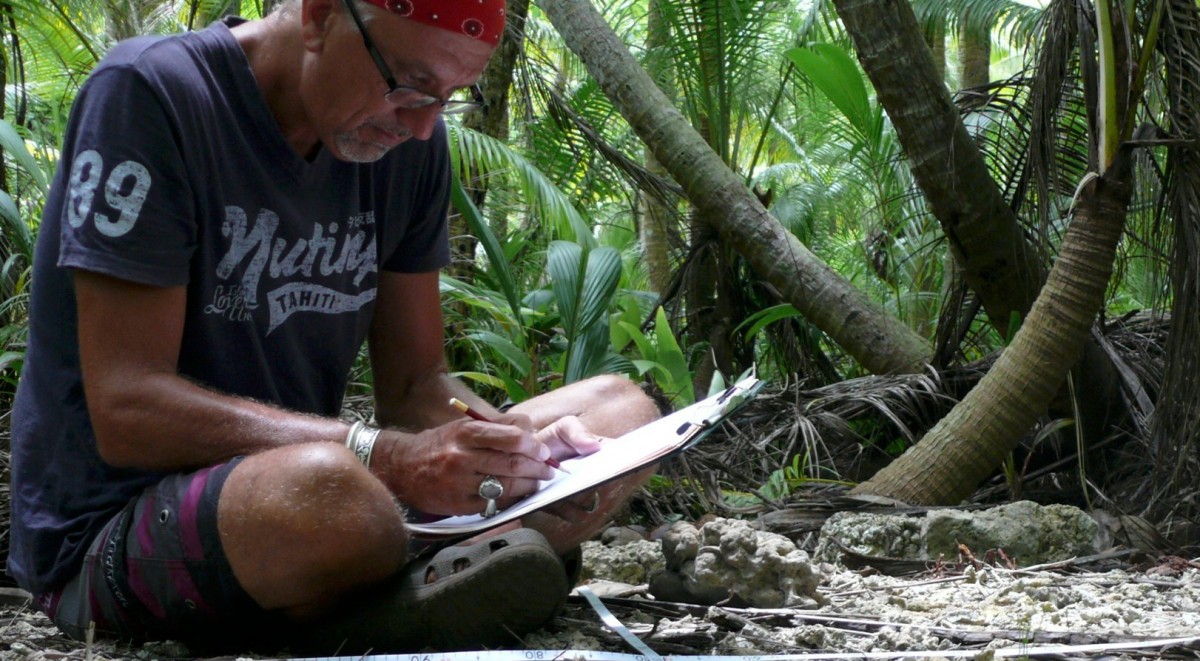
{"x":998,"y":264}
{"x":974,"y":57}
{"x":5,"y":17}
{"x":654,"y":216}
{"x":935,"y":39}
{"x":974,"y":438}
{"x":496,"y":81}
{"x":876,"y":339}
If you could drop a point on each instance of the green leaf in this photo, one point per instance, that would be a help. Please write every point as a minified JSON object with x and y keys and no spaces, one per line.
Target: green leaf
{"x":505,"y":348}
{"x":763,"y":318}
{"x":14,"y":144}
{"x":516,"y":391}
{"x":14,"y":226}
{"x":586,"y":354}
{"x":717,"y":385}
{"x":600,"y":280}
{"x":644,"y":366}
{"x":11,"y":359}
{"x":583,"y":281}
{"x":8,"y":210}
{"x":645,"y":347}
{"x":564,"y":263}
{"x":619,"y":335}
{"x":480,"y":377}
{"x":490,"y":301}
{"x":500,"y":267}
{"x":552,"y":208}
{"x":615,"y":363}
{"x":670,"y":355}
{"x":834,"y":73}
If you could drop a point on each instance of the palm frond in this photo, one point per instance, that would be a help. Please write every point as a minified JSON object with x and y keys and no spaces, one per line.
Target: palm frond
{"x":1176,"y":434}
{"x":548,"y":203}
{"x":1019,"y":21}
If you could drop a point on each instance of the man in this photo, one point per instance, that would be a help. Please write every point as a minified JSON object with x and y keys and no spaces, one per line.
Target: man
{"x":235,"y":211}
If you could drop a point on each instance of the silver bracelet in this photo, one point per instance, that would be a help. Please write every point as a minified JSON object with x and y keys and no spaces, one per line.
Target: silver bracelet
{"x":361,"y":441}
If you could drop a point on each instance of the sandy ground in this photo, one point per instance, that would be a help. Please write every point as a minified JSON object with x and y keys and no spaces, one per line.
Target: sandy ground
{"x":973,"y":612}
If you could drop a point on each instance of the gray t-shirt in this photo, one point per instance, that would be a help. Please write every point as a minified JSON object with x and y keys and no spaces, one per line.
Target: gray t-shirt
{"x":174,"y":173}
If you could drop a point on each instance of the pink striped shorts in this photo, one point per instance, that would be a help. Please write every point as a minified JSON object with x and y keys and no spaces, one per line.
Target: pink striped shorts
{"x":157,"y":571}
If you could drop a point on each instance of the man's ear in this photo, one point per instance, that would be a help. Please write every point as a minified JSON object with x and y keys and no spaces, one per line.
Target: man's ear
{"x":315,"y":23}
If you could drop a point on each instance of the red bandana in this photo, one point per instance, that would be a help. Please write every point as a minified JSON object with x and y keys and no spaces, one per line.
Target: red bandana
{"x":478,"y":19}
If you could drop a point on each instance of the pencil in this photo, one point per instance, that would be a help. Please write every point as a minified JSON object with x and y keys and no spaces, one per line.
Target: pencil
{"x":476,"y":415}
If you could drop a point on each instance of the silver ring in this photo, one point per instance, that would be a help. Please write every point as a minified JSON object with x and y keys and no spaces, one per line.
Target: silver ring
{"x":490,"y":489}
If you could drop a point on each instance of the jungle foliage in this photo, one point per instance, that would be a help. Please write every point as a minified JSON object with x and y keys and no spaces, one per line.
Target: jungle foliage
{"x":563,"y":272}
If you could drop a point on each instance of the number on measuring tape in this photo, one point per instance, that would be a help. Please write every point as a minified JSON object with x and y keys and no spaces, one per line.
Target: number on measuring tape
{"x":125,"y":191}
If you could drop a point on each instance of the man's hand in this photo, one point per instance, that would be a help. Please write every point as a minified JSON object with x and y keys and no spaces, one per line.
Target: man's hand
{"x":567,"y":437}
{"x":439,"y":470}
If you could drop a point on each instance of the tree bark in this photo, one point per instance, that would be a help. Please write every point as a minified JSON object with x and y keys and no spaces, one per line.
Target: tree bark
{"x":998,"y":262}
{"x":973,"y":439}
{"x":5,"y":16}
{"x":495,"y":83}
{"x":873,"y":337}
{"x":654,"y":216}
{"x":974,"y":57}
{"x":982,"y":230}
{"x":935,"y":39}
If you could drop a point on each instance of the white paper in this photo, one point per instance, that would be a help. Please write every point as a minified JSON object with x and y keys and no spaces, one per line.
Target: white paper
{"x":616,"y":457}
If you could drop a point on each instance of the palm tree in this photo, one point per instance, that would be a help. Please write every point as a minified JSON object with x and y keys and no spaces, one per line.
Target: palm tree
{"x":856,"y":323}
{"x":972,"y":440}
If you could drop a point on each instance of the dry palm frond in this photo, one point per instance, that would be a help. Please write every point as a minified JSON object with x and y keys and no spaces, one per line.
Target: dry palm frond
{"x":821,"y":438}
{"x":1176,"y":430}
{"x":5,"y":511}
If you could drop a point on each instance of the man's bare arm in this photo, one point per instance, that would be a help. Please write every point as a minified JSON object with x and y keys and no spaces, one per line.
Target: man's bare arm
{"x":147,"y":416}
{"x":143,"y":413}
{"x":412,"y":383}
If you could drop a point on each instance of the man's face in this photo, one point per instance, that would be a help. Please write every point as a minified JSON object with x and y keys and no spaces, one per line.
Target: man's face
{"x":354,"y":115}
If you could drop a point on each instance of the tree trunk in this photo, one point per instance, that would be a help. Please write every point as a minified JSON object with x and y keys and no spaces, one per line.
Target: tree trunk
{"x":495,"y":83}
{"x":935,"y":39}
{"x":974,"y":438}
{"x":5,"y":16}
{"x":654,"y":216}
{"x":873,"y":337}
{"x":7,"y":281}
{"x":124,"y":19}
{"x":974,"y":57}
{"x":998,"y":264}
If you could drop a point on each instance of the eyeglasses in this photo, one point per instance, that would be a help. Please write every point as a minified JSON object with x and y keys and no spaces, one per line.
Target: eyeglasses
{"x":411,"y":98}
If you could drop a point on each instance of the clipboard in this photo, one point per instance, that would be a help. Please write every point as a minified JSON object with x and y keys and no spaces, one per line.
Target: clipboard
{"x":617,"y":457}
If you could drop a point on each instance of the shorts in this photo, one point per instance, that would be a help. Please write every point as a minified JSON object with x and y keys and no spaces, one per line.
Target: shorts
{"x":157,"y":570}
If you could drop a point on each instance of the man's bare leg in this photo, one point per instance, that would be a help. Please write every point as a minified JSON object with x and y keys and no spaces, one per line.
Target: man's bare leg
{"x":304,"y":525}
{"x":609,"y":406}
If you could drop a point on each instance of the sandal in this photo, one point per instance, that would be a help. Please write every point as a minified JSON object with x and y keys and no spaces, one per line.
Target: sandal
{"x":462,"y":597}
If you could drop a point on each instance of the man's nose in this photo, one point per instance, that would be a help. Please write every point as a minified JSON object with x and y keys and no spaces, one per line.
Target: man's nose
{"x":420,"y":121}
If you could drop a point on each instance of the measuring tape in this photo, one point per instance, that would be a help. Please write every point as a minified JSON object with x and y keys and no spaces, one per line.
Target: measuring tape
{"x":1024,"y":651}
{"x":592,"y":655}
{"x":647,"y":654}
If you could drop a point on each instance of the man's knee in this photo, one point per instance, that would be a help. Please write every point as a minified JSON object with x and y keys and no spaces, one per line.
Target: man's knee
{"x":303,"y":524}
{"x":623,"y":400}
